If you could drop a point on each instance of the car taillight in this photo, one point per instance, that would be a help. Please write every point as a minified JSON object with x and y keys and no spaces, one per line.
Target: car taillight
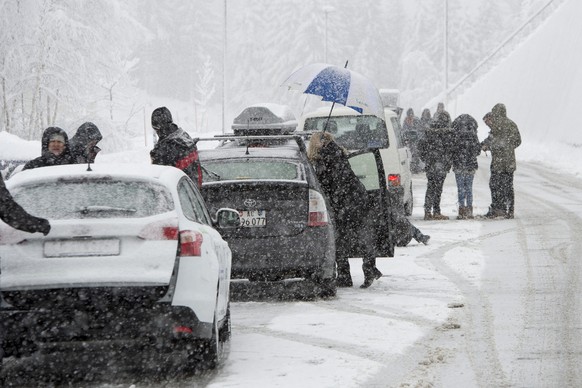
{"x":317,"y":210}
{"x":159,"y":231}
{"x":393,"y":180}
{"x":190,"y":243}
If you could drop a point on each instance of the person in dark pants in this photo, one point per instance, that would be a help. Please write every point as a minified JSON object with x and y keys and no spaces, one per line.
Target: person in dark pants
{"x":55,"y":150}
{"x":466,"y":148}
{"x":84,"y":143}
{"x":502,"y":141}
{"x":174,"y":147}
{"x":348,"y":198}
{"x":435,"y":152}
{"x":15,"y":216}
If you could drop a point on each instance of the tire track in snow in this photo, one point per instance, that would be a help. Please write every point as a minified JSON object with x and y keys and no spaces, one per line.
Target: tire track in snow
{"x":550,"y":349}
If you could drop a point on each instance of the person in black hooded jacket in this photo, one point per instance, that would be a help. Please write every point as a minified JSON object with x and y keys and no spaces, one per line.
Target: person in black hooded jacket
{"x":83,"y":144}
{"x":14,"y":215}
{"x":435,"y":152}
{"x":466,"y":148}
{"x":348,"y":199}
{"x":174,"y":147}
{"x":54,"y":149}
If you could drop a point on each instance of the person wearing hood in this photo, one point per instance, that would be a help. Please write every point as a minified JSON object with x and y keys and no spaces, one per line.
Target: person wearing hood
{"x":352,"y":211}
{"x":411,"y":132}
{"x":55,"y":150}
{"x":14,"y":215}
{"x":84,"y":143}
{"x":435,"y":151}
{"x":174,"y":147}
{"x":502,"y":141}
{"x":466,"y":148}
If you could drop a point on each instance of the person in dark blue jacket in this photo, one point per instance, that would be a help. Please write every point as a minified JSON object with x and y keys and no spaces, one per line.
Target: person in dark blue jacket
{"x":466,"y":148}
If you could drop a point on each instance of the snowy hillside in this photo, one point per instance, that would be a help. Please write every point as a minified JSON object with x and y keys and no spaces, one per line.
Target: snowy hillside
{"x":541,"y":85}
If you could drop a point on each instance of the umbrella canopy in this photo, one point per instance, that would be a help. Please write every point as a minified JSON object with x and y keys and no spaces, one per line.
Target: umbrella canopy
{"x":338,"y":85}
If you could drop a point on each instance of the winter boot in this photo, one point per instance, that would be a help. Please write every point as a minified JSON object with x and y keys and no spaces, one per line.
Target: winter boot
{"x":423,"y":238}
{"x":462,"y":213}
{"x":370,"y":274}
{"x":439,"y":216}
{"x":344,"y":277}
{"x":427,"y":215}
{"x":469,"y":212}
{"x":494,"y":213}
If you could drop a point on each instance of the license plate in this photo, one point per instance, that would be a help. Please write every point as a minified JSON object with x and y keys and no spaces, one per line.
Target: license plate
{"x":89,"y":247}
{"x":253,"y":218}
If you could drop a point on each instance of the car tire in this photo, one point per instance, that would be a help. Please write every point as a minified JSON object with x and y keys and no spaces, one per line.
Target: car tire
{"x":212,"y":352}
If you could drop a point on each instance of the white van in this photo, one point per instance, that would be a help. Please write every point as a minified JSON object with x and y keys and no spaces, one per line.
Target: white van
{"x":355,"y":131}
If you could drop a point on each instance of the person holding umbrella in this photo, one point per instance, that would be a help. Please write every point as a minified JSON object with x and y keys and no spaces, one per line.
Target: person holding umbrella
{"x":352,"y":211}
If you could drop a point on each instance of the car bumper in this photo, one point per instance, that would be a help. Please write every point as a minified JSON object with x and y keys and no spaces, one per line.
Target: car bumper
{"x":304,"y":255}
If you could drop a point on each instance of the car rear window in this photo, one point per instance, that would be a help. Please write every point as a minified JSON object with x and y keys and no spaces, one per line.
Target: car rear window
{"x":70,"y":199}
{"x":352,"y":132}
{"x":251,"y":169}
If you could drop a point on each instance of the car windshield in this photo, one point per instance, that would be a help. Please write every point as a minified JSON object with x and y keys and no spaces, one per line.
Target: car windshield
{"x":218,"y":170}
{"x":94,"y":199}
{"x":352,"y":132}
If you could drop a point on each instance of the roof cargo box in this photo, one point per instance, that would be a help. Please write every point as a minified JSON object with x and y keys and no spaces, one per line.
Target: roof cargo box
{"x":265,"y":119}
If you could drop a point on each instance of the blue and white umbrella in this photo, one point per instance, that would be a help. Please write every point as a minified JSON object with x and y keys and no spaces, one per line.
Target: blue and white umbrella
{"x":338,"y":85}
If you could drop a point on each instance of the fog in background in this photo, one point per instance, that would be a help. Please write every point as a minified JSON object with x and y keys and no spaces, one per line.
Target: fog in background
{"x":65,"y":62}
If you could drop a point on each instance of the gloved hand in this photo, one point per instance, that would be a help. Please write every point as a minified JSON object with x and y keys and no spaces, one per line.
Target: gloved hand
{"x":44,"y":226}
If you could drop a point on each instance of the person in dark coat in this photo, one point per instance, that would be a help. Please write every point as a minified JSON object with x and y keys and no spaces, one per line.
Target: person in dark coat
{"x":174,"y":147}
{"x":502,"y":141}
{"x":425,"y":120}
{"x":14,"y":215}
{"x":435,"y":152}
{"x":348,"y":199}
{"x":84,"y":143}
{"x":466,"y":148}
{"x":411,"y":129}
{"x":55,"y":149}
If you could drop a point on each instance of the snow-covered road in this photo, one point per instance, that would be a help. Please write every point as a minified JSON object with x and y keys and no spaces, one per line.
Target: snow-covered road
{"x":488,"y":303}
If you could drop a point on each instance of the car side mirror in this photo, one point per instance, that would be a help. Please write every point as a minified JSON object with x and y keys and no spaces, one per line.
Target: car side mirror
{"x":227,"y":218}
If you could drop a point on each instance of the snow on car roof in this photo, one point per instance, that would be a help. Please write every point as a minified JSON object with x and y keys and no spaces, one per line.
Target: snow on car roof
{"x":117,"y":170}
{"x":289,"y":151}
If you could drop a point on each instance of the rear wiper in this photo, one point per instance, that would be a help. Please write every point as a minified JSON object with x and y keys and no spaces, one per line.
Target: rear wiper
{"x":97,"y":209}
{"x":211,"y":173}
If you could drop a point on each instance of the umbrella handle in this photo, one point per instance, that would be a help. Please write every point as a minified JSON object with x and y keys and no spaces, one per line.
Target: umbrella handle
{"x":329,"y":116}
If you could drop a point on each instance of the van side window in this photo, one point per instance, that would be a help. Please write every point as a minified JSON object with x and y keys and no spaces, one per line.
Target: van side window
{"x":397,"y":132}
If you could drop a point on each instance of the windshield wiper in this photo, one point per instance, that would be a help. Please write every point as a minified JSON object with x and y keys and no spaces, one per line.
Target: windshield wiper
{"x":97,"y":209}
{"x":211,"y":173}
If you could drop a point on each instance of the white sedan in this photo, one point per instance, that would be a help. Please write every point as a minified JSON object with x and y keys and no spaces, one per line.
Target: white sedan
{"x":133,"y":256}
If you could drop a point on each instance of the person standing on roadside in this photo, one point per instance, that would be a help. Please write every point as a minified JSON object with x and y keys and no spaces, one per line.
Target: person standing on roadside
{"x":14,"y":215}
{"x":174,"y":147}
{"x":352,"y":211}
{"x":435,"y":152}
{"x":84,"y":143}
{"x":54,"y":150}
{"x":466,"y":148}
{"x":502,"y":141}
{"x":411,"y":128}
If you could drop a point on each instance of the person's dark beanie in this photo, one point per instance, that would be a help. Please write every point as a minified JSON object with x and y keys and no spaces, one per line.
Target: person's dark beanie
{"x":161,"y":117}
